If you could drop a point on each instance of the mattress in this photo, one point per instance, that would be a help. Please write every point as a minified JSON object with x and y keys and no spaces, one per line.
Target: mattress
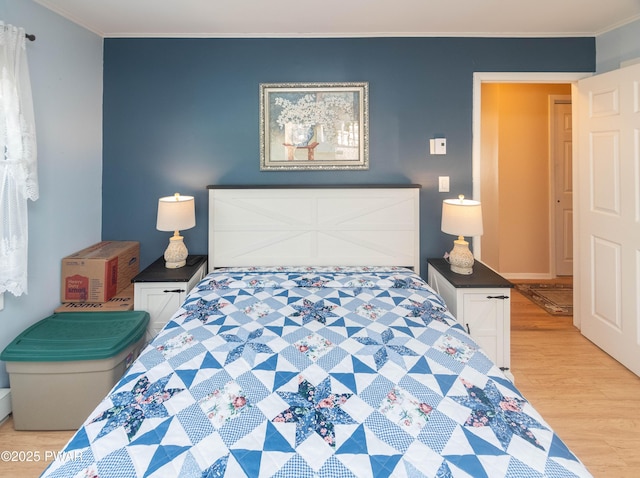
{"x":314,"y":372}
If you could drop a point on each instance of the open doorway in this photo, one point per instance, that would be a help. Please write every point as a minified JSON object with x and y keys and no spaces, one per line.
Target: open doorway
{"x":512,"y":170}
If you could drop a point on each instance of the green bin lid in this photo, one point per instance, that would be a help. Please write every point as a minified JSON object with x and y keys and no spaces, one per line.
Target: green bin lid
{"x":77,"y":336}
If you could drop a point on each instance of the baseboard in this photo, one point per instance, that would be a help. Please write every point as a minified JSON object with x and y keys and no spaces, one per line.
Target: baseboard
{"x":5,"y":403}
{"x":527,"y":276}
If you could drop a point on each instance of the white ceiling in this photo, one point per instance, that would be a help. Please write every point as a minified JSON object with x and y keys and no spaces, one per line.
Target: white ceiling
{"x":346,"y":18}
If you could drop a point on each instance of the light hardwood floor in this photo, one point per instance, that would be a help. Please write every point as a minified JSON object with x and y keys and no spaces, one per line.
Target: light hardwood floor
{"x":590,"y":400}
{"x":587,"y":397}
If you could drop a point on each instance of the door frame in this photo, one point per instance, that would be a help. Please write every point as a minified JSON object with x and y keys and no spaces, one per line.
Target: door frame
{"x":524,"y":77}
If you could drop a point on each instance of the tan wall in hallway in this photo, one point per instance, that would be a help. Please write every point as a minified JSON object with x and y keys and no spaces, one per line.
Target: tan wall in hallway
{"x":515,"y":176}
{"x":489,"y":174}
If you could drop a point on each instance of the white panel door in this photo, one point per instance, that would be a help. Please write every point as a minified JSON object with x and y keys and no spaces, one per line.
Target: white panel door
{"x":563,"y":188}
{"x":608,"y":188}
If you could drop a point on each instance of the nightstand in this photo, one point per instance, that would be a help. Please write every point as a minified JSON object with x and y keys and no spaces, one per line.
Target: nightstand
{"x":481,"y":302}
{"x":161,"y":291}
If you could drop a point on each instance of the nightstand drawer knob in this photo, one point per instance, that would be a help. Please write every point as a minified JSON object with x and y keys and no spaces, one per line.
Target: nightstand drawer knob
{"x":497,"y":297}
{"x":177,"y":291}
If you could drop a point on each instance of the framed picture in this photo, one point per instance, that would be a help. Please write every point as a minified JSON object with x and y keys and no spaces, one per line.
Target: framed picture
{"x":321,"y":126}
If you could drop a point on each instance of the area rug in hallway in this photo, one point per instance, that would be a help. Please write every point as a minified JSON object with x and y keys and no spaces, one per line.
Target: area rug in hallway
{"x":556,"y":299}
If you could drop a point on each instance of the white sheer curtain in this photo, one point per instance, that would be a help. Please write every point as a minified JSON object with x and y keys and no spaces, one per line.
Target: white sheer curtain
{"x":18,"y":166}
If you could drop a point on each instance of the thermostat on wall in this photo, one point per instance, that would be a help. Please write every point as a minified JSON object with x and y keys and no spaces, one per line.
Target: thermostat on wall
{"x":438,"y":146}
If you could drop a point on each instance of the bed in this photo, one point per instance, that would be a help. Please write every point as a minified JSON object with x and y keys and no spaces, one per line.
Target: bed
{"x":313,"y":348}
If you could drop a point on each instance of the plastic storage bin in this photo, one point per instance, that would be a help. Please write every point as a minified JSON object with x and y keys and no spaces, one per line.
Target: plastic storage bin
{"x":61,"y":367}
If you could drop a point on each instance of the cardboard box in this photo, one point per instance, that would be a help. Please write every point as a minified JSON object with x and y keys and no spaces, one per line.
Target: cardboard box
{"x":99,"y":272}
{"x":121,"y":302}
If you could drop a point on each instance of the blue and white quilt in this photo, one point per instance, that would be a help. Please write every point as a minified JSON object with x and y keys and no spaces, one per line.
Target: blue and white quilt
{"x":314,"y":372}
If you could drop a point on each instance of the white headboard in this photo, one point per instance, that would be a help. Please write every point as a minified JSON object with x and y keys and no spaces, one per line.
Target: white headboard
{"x":314,"y":225}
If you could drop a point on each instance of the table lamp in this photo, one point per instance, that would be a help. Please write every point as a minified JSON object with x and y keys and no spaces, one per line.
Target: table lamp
{"x":461,"y":217}
{"x":176,"y":213}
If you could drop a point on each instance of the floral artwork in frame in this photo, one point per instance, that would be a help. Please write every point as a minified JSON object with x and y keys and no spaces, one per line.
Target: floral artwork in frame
{"x":322,"y":126}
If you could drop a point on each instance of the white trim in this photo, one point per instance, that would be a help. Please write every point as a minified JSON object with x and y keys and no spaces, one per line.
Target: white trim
{"x":526,"y":276}
{"x":576,"y":206}
{"x":617,"y":25}
{"x":77,"y":19}
{"x":5,"y":403}
{"x":295,"y":35}
{"x":71,"y":17}
{"x":631,"y":62}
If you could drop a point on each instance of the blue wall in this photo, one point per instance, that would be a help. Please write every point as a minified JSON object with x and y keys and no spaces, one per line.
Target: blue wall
{"x":617,"y":46}
{"x":180,"y":114}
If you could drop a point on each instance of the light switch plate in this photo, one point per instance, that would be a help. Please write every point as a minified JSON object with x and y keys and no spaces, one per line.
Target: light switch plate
{"x":443,"y":184}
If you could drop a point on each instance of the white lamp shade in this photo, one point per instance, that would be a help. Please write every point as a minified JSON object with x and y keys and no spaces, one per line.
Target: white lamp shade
{"x":176,"y":213}
{"x":461,"y":217}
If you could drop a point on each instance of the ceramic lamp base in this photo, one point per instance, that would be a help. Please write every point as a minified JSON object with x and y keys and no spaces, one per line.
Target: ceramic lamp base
{"x":175,"y":255}
{"x":461,"y":258}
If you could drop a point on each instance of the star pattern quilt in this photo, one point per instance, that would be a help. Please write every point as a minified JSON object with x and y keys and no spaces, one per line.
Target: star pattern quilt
{"x":314,"y":372}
